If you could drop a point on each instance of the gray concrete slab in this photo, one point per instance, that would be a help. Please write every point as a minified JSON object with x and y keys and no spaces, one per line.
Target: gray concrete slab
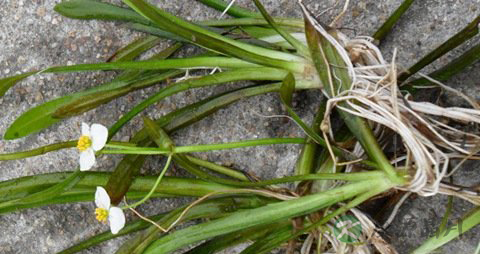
{"x":32,"y":36}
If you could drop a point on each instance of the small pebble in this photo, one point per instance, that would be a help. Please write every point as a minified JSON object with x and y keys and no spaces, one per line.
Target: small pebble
{"x":41,"y":11}
{"x":38,"y":97}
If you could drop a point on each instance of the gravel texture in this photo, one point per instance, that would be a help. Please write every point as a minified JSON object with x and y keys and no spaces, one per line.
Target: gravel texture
{"x":32,"y":36}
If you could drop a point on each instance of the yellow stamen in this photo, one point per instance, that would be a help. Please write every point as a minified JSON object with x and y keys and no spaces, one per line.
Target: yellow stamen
{"x":101,"y":214}
{"x":84,"y":142}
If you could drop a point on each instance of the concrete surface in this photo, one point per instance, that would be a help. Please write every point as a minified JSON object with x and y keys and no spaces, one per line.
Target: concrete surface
{"x":32,"y":35}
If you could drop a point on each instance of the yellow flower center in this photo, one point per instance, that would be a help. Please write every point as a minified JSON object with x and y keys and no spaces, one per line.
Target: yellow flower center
{"x":84,"y":142}
{"x":101,"y":214}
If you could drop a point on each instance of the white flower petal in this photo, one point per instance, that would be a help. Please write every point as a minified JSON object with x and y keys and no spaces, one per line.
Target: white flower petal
{"x":85,"y":129}
{"x":99,"y":135}
{"x":87,"y":159}
{"x":102,"y":200}
{"x":116,"y":219}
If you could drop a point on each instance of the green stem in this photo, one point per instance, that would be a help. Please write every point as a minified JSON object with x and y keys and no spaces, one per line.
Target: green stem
{"x":218,"y":168}
{"x":155,"y":186}
{"x":207,"y":147}
{"x":53,"y":147}
{"x":380,"y":34}
{"x":38,"y":151}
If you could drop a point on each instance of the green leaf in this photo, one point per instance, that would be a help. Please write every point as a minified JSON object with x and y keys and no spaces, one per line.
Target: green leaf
{"x":134,"y":49}
{"x":88,"y":102}
{"x":382,"y":32}
{"x":287,"y":89}
{"x":299,"y":46}
{"x":129,"y":228}
{"x":157,"y":134}
{"x":468,"y":58}
{"x":214,"y":41}
{"x":465,"y":34}
{"x":220,"y":243}
{"x":91,"y":9}
{"x":68,"y":187}
{"x":41,"y":116}
{"x":268,"y":242}
{"x":51,"y":112}
{"x":156,"y":31}
{"x":464,"y":224}
{"x":45,"y":194}
{"x":307,"y":161}
{"x":259,"y":216}
{"x":286,"y":93}
{"x":263,"y":73}
{"x":214,"y":208}
{"x":8,"y":82}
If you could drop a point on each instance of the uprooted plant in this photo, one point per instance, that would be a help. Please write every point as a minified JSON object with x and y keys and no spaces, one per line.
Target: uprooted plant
{"x":340,"y":167}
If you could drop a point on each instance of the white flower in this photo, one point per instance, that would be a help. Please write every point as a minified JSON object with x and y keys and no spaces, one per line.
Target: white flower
{"x":105,"y":211}
{"x":93,"y":139}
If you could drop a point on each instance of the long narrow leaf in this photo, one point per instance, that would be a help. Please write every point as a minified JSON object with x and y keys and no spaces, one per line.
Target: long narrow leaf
{"x":465,"y":34}
{"x":299,"y":46}
{"x":51,"y":112}
{"x":469,"y":221}
{"x":223,"y":77}
{"x":382,"y":32}
{"x":216,"y":42}
{"x":134,"y":49}
{"x":468,"y":58}
{"x":258,"y":216}
{"x":91,"y":9}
